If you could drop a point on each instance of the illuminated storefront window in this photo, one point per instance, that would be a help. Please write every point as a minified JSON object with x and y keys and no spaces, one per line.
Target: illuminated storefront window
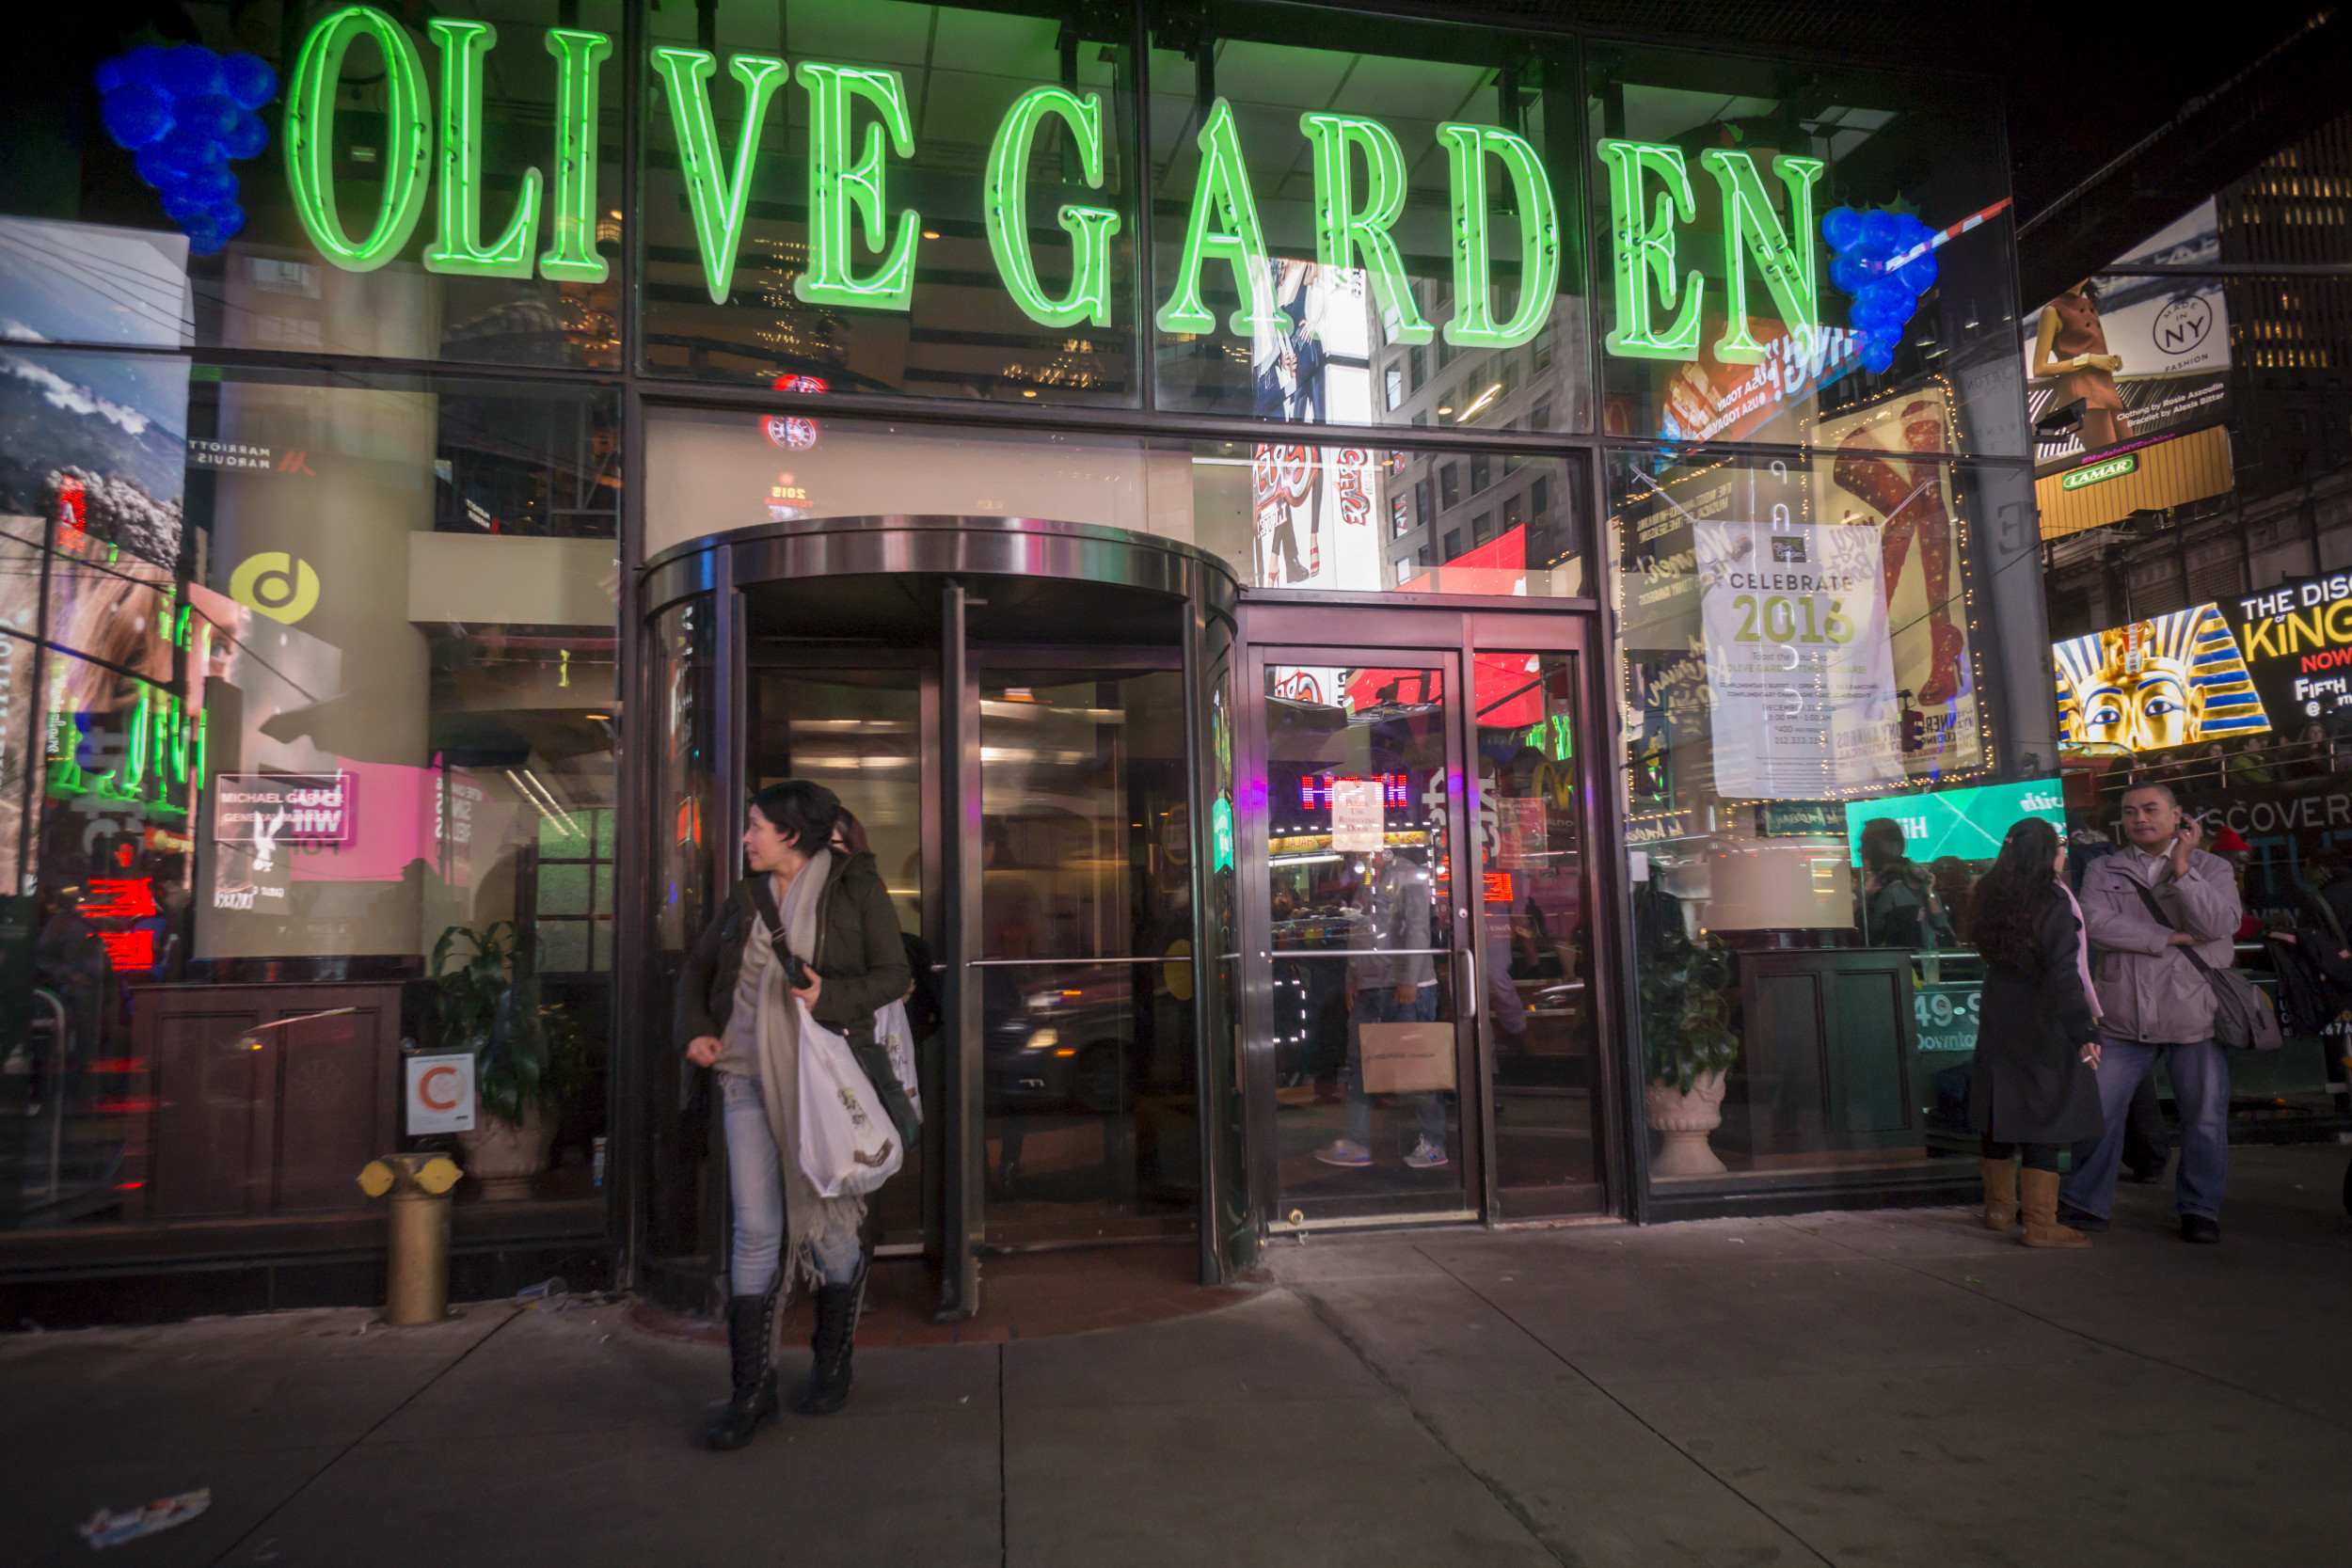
{"x":320,"y":572}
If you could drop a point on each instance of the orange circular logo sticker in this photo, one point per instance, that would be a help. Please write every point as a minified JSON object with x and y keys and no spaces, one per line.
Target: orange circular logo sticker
{"x":441,"y":1089}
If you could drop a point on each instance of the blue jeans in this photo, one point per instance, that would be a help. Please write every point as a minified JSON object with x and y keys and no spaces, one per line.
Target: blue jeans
{"x":756,"y":1177}
{"x":2200,"y":1083}
{"x":1380,"y":1005}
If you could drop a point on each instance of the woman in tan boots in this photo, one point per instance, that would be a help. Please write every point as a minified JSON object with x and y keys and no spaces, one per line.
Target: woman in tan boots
{"x":2033,"y":1089}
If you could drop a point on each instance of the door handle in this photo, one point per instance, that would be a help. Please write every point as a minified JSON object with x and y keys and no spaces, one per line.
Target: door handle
{"x":1470,"y":993}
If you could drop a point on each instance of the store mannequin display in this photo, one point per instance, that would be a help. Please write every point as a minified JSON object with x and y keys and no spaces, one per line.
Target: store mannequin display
{"x":2072,"y":347}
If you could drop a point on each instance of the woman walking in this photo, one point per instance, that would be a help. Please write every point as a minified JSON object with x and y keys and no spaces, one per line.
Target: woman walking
{"x":815,"y":925}
{"x":2033,"y":1089}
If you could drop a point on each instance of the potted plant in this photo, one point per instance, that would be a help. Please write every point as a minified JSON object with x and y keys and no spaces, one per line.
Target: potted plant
{"x":528,"y":1056}
{"x":1687,"y":1046}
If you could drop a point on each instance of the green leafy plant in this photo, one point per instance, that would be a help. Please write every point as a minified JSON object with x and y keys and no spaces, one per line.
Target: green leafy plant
{"x":1686,"y":1021}
{"x":527,"y":1052}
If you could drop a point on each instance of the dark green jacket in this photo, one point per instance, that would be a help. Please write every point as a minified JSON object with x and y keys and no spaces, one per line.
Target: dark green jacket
{"x":858,"y":954}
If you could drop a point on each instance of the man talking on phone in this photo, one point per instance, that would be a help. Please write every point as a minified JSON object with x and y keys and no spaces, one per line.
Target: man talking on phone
{"x":2153,"y":1000}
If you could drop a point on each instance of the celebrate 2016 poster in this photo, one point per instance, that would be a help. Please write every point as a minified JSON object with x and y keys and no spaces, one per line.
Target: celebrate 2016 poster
{"x":1799,"y":673}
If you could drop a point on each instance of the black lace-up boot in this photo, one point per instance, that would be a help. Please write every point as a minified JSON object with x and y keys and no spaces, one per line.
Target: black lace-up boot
{"x":751,"y":1329}
{"x":838,"y":1309}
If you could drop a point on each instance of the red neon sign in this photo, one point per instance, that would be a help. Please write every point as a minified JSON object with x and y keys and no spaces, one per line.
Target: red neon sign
{"x":129,"y":949}
{"x":118,"y":898}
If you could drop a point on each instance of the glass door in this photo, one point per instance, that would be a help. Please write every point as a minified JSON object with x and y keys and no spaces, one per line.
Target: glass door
{"x":854,"y":722}
{"x":1085,"y":947}
{"x":1359,"y":992}
{"x":1535,"y":933}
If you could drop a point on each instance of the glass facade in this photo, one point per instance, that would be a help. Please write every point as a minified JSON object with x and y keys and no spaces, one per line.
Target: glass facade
{"x":362,"y":712}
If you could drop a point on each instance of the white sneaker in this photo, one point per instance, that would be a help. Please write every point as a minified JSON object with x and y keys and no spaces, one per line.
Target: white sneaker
{"x":1425,"y":1155}
{"x":1342,"y":1152}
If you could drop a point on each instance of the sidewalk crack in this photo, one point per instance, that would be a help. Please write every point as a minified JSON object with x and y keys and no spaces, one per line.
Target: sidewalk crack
{"x":1701,"y":1465}
{"x":308,"y":1481}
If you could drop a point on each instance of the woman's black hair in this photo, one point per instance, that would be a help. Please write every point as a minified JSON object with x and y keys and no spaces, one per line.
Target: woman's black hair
{"x":801,"y":811}
{"x":1883,"y":841}
{"x":2006,"y":906}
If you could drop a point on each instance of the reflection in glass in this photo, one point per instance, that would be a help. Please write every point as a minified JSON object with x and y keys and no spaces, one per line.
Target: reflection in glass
{"x":1298,"y":517}
{"x":858,"y":735}
{"x":1336,"y":352}
{"x":1535,"y":931}
{"x":1789,"y":935}
{"x":1886,"y":146}
{"x":1362,"y":997}
{"x":962,"y":335}
{"x":1085,"y":853}
{"x":278,"y":802}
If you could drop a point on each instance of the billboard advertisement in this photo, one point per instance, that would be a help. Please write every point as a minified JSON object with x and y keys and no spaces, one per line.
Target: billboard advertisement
{"x":1967,"y":824}
{"x":2148,"y":357}
{"x":2296,"y":642}
{"x":1315,"y":511}
{"x":1885,"y":476}
{"x":2172,"y":680}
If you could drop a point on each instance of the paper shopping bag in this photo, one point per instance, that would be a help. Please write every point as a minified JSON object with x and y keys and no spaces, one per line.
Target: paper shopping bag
{"x":1406,"y":1058}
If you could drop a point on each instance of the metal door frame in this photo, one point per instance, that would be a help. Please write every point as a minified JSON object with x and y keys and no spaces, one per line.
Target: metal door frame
{"x":1356,"y":634}
{"x":966,"y":553}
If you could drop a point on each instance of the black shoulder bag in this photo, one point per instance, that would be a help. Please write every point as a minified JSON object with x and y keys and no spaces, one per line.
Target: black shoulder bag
{"x":2243,"y":1017}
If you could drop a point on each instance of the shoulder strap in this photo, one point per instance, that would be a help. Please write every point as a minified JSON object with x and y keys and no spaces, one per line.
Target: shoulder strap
{"x":765,"y":896}
{"x":2157,"y":911}
{"x":2317,"y":899}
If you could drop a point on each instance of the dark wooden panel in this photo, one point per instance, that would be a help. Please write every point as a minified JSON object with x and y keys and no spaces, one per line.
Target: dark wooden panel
{"x":341,"y":1096}
{"x":1870,"y":1088}
{"x":1827,"y":1055}
{"x":280,"y":1129}
{"x":211,"y":1126}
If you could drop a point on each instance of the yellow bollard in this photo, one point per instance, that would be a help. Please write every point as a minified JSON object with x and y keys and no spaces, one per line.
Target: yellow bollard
{"x":417,"y":1289}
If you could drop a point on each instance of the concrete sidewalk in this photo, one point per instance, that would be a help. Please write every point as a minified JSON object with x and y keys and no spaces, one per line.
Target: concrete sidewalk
{"x":1880,"y":1388}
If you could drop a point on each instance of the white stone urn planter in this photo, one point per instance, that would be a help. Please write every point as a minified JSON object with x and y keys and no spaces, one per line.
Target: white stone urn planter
{"x":1683,"y":1121}
{"x":505,"y":1158}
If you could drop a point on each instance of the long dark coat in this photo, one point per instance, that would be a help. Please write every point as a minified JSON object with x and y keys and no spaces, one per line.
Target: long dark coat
{"x":859,"y":954}
{"x":2030,"y":1085}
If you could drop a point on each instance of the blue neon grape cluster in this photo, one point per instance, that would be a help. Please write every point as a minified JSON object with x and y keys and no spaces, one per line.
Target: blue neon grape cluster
{"x":1884,"y":301}
{"x":185,"y":113}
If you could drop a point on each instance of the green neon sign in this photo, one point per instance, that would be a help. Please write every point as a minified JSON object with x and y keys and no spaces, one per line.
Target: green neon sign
{"x":311,"y":138}
{"x":1468,"y":148}
{"x":1223,"y":226}
{"x":2114,"y":467}
{"x":1641,"y":251}
{"x":1750,"y":224}
{"x":1089,"y":228}
{"x":839,"y":187}
{"x":459,"y":249}
{"x":1347,"y":232}
{"x":1646,"y":280}
{"x":716,"y":198}
{"x":572,"y":206}
{"x":859,"y":121}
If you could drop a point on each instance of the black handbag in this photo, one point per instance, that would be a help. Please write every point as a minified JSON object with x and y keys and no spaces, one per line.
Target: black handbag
{"x":2243,"y":1017}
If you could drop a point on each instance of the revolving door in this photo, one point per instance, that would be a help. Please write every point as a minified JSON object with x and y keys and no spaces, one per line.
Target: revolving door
{"x":1024,"y":718}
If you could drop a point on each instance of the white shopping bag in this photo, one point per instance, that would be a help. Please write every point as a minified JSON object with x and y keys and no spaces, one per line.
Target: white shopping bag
{"x":848,"y":1143}
{"x":898,"y":1038}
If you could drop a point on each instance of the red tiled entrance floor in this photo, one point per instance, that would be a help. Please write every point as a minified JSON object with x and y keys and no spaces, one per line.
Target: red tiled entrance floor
{"x":1026,"y":1296}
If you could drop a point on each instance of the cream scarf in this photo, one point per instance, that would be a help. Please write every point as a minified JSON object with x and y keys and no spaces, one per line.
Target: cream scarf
{"x":808,"y":1216}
